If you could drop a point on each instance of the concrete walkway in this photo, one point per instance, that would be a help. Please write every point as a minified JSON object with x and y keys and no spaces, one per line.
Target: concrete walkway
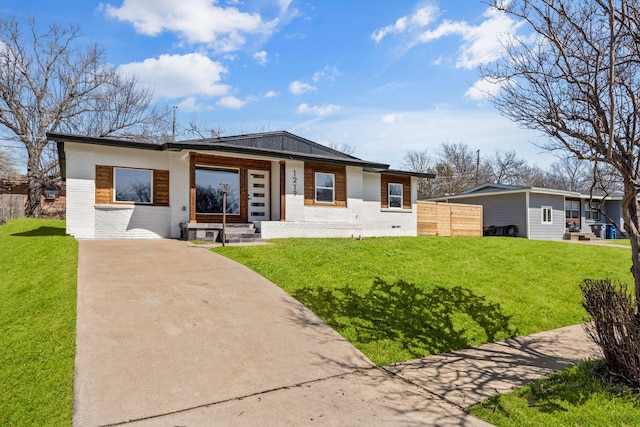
{"x":172,"y":334}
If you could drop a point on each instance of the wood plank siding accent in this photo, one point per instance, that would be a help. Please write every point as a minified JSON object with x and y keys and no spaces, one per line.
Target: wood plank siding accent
{"x":161,"y":187}
{"x":340,"y":190}
{"x":104,"y":186}
{"x":243,"y":165}
{"x":385,"y":180}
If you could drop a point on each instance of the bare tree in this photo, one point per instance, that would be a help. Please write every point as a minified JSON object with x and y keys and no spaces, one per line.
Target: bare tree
{"x":506,"y":168}
{"x":578,"y":81}
{"x":420,"y":161}
{"x":571,"y":174}
{"x":456,"y":169}
{"x":50,"y":81}
{"x":345,"y":148}
{"x":197,"y":130}
{"x":7,"y":164}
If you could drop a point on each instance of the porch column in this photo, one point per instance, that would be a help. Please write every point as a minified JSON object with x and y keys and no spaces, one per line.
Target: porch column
{"x":283,"y":190}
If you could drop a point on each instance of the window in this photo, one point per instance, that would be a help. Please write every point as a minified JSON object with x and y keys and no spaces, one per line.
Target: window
{"x":209,"y":193}
{"x":133,"y":185}
{"x":592,"y":211}
{"x":115,"y":185}
{"x":325,"y":185}
{"x":547,"y":215}
{"x":572,"y":209}
{"x":395,"y":195}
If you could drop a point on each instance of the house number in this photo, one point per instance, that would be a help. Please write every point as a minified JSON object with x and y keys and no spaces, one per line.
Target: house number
{"x":295,"y":180}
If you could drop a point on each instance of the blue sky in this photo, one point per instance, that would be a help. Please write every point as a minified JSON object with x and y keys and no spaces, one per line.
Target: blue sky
{"x":382,"y":76}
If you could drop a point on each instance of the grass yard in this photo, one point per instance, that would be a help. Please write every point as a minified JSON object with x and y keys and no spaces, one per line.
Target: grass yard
{"x":401,"y":298}
{"x":576,"y":396}
{"x":38,"y":266}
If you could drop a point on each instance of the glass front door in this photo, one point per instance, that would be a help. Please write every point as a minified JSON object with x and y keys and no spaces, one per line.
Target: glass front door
{"x":258,"y":189}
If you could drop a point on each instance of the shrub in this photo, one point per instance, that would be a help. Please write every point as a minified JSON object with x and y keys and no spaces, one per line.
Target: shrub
{"x":614,"y":327}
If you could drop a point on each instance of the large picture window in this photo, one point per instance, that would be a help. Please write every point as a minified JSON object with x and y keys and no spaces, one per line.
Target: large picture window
{"x":325,"y":186}
{"x":209,"y":192}
{"x":395,"y":195}
{"x":133,"y":185}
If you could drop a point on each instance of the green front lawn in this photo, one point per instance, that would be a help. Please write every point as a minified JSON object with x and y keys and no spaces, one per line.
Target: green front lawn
{"x":38,"y":266}
{"x":576,"y":396}
{"x":401,"y":298}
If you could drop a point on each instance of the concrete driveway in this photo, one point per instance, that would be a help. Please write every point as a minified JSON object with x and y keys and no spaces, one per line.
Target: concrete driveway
{"x":172,"y":334}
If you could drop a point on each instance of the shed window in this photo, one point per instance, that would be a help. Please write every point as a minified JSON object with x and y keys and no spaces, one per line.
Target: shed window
{"x":133,"y":185}
{"x":395,"y":195}
{"x":325,"y":186}
{"x":547,"y":215}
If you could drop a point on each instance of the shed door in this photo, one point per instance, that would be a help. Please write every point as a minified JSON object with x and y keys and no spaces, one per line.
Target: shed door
{"x":258,"y":186}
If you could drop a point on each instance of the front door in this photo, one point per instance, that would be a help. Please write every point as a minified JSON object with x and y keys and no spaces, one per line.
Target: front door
{"x":258,"y":185}
{"x":572,"y":214}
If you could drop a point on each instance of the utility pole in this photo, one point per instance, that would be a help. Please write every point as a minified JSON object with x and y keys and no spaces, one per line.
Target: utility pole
{"x":173,"y":129}
{"x":477,"y":165}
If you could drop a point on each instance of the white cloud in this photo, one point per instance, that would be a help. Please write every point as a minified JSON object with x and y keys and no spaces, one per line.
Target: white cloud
{"x":420,"y":18}
{"x":190,"y":105}
{"x":481,"y":44}
{"x":196,"y":21}
{"x":260,"y":57}
{"x":298,"y":88}
{"x":329,"y":72}
{"x":271,"y":94}
{"x":231,"y":102}
{"x":284,"y":5}
{"x":484,"y":89}
{"x":318,"y":110}
{"x":391,"y":118}
{"x":179,"y":76}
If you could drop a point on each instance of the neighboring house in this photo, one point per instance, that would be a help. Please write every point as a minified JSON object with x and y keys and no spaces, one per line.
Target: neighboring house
{"x":540,"y":213}
{"x":13,"y":198}
{"x":285,"y":185}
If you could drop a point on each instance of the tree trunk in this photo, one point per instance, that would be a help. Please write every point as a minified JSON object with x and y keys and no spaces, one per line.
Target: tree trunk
{"x":35,"y":181}
{"x":631,"y":220}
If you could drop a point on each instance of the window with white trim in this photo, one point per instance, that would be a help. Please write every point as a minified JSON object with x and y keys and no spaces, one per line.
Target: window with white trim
{"x":133,"y":185}
{"x":592,"y":211}
{"x":325,"y":187}
{"x":395,"y":195}
{"x":547,"y":215}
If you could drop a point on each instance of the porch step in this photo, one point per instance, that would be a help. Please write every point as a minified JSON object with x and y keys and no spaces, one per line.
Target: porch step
{"x":580,"y":236}
{"x":235,"y":233}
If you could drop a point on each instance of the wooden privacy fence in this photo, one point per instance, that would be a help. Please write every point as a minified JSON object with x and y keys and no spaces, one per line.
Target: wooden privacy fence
{"x":449,"y":219}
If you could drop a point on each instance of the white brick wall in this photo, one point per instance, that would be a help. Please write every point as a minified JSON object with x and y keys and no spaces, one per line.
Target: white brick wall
{"x":85,"y":219}
{"x":363,"y":215}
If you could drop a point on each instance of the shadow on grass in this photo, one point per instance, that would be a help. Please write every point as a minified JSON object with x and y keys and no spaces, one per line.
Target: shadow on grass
{"x":43,"y":231}
{"x":575,"y":386}
{"x":421,"y":321}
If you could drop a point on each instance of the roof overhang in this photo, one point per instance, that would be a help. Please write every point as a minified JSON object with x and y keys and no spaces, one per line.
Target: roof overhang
{"x":60,"y":139}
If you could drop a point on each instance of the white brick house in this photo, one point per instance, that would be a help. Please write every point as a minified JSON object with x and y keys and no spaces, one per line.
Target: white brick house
{"x":286,"y":185}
